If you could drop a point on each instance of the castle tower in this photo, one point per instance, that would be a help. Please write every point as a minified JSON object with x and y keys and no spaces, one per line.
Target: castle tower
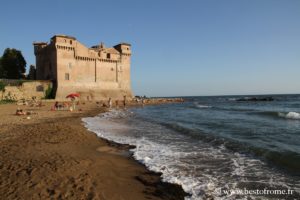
{"x":124,"y":65}
{"x":38,"y":46}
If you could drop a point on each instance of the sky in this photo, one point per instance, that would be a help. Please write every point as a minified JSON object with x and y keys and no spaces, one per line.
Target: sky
{"x":179,"y":47}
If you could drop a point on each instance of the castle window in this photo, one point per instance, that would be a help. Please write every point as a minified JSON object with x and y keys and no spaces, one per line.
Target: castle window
{"x":70,"y":41}
{"x":67,"y":76}
{"x":108,"y":56}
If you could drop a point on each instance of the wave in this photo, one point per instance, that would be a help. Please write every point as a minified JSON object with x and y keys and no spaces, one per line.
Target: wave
{"x":287,"y":160}
{"x":155,"y":156}
{"x":232,"y":99}
{"x":279,"y":115}
{"x":203,"y":106}
{"x":197,"y":105}
{"x":290,"y":115}
{"x":201,"y":169}
{"x":287,"y":115}
{"x":220,"y":108}
{"x":175,"y":163}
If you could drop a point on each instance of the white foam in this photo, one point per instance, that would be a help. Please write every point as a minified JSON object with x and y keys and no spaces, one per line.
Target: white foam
{"x":290,"y":115}
{"x":156,"y":157}
{"x":202,"y":105}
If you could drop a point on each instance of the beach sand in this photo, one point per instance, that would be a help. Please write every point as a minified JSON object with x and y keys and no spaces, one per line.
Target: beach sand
{"x":53,"y":156}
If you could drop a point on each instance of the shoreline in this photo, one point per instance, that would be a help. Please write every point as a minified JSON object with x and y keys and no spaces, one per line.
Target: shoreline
{"x":52,"y":155}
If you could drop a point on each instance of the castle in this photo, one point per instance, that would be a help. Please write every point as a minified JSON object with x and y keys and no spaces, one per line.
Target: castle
{"x":95,"y":73}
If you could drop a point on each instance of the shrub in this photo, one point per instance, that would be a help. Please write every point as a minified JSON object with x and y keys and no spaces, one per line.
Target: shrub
{"x":6,"y":101}
{"x":2,"y":86}
{"x":49,"y":93}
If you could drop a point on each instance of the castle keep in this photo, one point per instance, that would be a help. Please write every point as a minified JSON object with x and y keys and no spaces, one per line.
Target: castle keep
{"x":95,"y":73}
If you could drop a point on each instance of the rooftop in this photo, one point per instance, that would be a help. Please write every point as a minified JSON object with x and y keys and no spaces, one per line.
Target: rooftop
{"x":64,"y":36}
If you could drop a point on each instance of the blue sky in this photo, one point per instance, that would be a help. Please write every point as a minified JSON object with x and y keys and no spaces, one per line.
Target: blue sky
{"x":192,"y":47}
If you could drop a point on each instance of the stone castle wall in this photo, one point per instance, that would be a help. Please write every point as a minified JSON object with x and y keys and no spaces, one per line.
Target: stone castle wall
{"x":25,"y":90}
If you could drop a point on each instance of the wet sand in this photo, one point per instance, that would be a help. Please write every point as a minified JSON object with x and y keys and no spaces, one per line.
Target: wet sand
{"x":53,"y":156}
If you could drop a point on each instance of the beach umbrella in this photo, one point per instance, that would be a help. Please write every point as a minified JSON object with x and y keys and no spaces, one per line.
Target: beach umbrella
{"x":73,"y":95}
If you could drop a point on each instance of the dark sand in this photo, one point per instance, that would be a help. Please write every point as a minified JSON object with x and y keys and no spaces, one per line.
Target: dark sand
{"x":52,"y":156}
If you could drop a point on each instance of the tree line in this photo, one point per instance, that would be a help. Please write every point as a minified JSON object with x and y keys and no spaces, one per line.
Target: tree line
{"x":13,"y":65}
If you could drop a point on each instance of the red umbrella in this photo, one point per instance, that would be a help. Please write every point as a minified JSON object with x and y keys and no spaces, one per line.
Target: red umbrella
{"x":73,"y":95}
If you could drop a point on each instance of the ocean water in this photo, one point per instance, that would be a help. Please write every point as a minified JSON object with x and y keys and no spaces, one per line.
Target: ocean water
{"x":215,"y":147}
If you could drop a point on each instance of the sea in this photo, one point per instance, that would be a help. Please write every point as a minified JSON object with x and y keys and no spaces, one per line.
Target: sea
{"x":215,"y":147}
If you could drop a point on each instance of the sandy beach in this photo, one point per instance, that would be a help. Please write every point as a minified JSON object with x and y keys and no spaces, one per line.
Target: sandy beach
{"x":53,"y":156}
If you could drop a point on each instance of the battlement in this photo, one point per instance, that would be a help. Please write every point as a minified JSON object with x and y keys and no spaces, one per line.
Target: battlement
{"x":63,"y":36}
{"x":38,"y":46}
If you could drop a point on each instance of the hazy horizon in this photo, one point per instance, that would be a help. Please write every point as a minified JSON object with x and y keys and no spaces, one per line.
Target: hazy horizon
{"x":221,"y":95}
{"x":199,"y":48}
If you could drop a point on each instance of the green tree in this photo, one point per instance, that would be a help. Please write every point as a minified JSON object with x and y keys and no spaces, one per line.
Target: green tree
{"x":32,"y":73}
{"x":1,"y":70}
{"x":12,"y":64}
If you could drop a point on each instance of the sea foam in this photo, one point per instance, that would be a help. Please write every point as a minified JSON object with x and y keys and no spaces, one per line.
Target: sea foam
{"x":290,"y":115}
{"x":202,"y":105}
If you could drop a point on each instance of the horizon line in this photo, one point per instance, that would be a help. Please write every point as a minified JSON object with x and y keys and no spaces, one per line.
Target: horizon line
{"x":185,"y":96}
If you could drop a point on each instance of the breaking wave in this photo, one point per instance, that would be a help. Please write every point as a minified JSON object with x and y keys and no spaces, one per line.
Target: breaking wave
{"x":203,"y":106}
{"x":278,"y":115}
{"x":290,"y":115}
{"x":197,"y":105}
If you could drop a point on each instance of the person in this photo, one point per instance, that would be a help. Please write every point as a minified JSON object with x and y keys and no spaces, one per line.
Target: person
{"x":66,"y":106}
{"x":124,"y":101}
{"x":73,"y":103}
{"x":109,"y":103}
{"x":20,"y":112}
{"x":56,"y":105}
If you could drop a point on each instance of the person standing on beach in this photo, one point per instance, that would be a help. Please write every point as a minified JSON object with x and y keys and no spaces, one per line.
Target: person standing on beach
{"x":73,"y":104}
{"x":109,"y":103}
{"x":124,"y":101}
